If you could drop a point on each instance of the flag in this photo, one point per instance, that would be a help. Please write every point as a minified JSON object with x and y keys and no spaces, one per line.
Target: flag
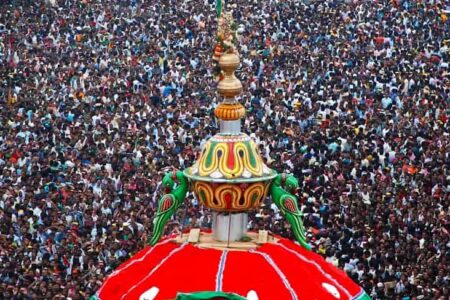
{"x":219,"y":8}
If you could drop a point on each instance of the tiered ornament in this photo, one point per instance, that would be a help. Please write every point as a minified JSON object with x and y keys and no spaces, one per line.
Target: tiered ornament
{"x":230,"y":178}
{"x":230,"y":175}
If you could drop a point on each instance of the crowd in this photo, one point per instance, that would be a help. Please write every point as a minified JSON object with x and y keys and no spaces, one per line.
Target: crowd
{"x":100,"y":98}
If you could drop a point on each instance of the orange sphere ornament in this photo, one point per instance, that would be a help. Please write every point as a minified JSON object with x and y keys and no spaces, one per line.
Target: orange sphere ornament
{"x":218,"y":51}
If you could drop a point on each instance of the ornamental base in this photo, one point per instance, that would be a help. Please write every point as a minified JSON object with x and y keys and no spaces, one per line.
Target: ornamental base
{"x":229,"y":227}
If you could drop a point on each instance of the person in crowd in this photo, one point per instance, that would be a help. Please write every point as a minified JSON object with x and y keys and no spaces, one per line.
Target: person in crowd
{"x":100,"y":98}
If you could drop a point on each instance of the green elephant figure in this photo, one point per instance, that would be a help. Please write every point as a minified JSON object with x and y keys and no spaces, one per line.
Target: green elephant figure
{"x":169,"y":203}
{"x":281,"y":191}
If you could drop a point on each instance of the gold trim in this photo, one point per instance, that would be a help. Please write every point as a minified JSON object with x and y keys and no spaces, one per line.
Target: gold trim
{"x":229,"y":111}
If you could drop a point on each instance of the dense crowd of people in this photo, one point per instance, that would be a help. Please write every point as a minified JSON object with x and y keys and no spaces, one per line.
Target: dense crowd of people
{"x":100,"y":98}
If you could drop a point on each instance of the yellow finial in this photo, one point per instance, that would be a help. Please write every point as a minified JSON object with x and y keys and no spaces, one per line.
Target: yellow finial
{"x":228,"y":60}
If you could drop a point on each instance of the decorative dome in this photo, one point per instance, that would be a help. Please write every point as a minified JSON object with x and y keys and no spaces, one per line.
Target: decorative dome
{"x":230,"y":158}
{"x":279,"y":269}
{"x":239,"y":197}
{"x":230,"y":174}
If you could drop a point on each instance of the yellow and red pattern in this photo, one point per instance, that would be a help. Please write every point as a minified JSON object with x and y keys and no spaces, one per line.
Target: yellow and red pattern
{"x":254,"y":194}
{"x":204,"y":192}
{"x":231,"y":197}
{"x":228,"y":195}
{"x":230,"y":157}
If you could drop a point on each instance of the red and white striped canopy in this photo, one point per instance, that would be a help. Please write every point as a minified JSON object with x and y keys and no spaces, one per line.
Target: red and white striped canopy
{"x":281,"y":270}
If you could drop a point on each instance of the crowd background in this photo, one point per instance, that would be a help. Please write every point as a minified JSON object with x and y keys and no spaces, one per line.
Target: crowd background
{"x":100,"y":98}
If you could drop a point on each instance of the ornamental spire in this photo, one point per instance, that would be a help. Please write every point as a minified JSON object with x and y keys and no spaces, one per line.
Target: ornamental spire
{"x":227,"y":58}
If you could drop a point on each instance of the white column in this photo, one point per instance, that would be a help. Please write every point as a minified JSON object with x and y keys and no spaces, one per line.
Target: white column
{"x":229,"y":226}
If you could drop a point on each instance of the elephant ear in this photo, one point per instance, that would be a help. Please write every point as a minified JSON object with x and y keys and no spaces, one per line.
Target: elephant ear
{"x":219,"y":8}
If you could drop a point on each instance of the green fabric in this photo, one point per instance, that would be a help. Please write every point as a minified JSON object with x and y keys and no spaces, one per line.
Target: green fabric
{"x":208,"y":296}
{"x":219,"y":7}
{"x":364,"y":296}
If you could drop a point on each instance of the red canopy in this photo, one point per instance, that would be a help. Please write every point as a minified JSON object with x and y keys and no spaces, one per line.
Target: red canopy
{"x":280,"y":270}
